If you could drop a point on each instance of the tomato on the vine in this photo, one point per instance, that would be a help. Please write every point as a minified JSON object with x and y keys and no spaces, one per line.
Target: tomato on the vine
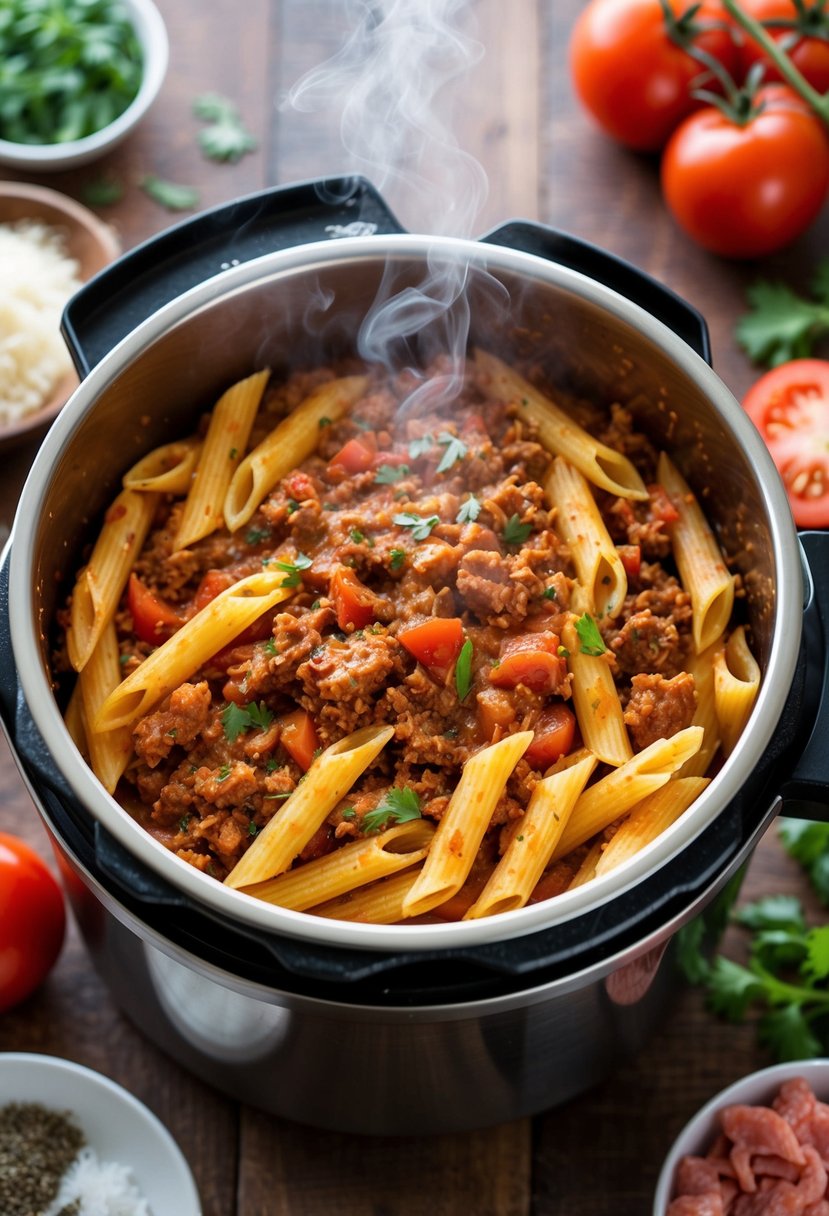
{"x":32,"y":921}
{"x":633,"y":76}
{"x":804,"y":37}
{"x":746,"y":188}
{"x":790,"y":408}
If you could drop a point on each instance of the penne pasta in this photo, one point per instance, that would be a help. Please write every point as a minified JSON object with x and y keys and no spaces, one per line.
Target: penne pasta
{"x":353,"y":865}
{"x":204,"y":635}
{"x":616,"y":793}
{"x":75,"y":720}
{"x":699,"y":559}
{"x":561,"y":434}
{"x":288,"y":444}
{"x":378,"y":904}
{"x":736,"y":684}
{"x":587,"y":870}
{"x":648,"y":819}
{"x":464,"y":823}
{"x":224,"y":447}
{"x":328,"y":779}
{"x":102,"y":580}
{"x":596,"y":702}
{"x":580,"y":525}
{"x":701,"y":667}
{"x":109,"y":750}
{"x":165,"y":470}
{"x":528,"y":853}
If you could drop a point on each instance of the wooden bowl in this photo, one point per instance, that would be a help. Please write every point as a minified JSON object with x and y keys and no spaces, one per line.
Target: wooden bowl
{"x":89,"y":241}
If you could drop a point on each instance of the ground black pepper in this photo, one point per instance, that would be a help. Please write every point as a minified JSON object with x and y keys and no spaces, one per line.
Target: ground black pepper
{"x":37,"y":1146}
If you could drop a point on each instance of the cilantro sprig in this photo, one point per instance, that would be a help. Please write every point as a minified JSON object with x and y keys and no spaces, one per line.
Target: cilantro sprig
{"x":808,"y":843}
{"x":398,"y":805}
{"x":781,"y":324}
{"x":590,"y":640}
{"x":236,"y":719}
{"x":225,"y":138}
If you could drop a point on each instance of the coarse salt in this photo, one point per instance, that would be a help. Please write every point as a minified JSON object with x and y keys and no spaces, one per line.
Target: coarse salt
{"x":98,"y":1188}
{"x":37,"y":277}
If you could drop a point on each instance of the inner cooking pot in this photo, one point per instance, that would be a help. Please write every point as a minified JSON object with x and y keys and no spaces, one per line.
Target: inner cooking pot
{"x":302,"y":306}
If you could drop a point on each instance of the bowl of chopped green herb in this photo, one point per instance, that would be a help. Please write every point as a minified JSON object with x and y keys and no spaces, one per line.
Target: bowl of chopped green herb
{"x":76,"y":76}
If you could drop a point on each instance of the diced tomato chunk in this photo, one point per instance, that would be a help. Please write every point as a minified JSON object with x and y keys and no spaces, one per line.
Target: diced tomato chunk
{"x":212,"y":584}
{"x":435,"y":643}
{"x":530,"y":659}
{"x":631,"y":558}
{"x":661,"y":506}
{"x":553,"y":736}
{"x":299,"y":486}
{"x":299,"y":737}
{"x":355,"y":457}
{"x":353,"y":602}
{"x":153,"y":619}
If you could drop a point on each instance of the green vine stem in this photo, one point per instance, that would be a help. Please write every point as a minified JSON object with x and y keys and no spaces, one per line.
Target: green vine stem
{"x":818,"y":101}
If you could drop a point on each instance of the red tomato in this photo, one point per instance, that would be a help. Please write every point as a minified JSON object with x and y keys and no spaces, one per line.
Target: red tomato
{"x":745,"y":191}
{"x":153,"y":620}
{"x":32,"y":921}
{"x":810,"y":55}
{"x":790,"y":408}
{"x":629,"y":73}
{"x":355,"y":457}
{"x":213,"y":583}
{"x":532,"y":660}
{"x":660,"y":505}
{"x":299,"y":737}
{"x":552,"y":737}
{"x":631,"y":559}
{"x":353,"y":602}
{"x":435,"y":643}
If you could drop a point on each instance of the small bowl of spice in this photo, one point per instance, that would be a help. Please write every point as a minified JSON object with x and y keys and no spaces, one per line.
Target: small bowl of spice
{"x":72,"y":1141}
{"x":78,"y":75}
{"x":49,"y":247}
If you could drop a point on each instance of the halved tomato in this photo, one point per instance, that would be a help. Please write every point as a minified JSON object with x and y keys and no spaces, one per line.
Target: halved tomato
{"x":790,"y":408}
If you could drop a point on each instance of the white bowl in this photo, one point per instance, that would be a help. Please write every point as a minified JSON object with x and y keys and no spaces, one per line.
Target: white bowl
{"x":46,"y":158}
{"x":116,"y":1125}
{"x":756,"y":1089}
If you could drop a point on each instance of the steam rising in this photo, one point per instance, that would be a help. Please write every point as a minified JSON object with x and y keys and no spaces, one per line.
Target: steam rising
{"x":387,"y":83}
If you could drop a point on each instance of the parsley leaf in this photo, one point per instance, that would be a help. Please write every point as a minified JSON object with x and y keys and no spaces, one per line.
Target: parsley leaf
{"x":170,"y":194}
{"x":463,"y":671}
{"x":515,"y":533}
{"x":236,"y":719}
{"x":469,"y":512}
{"x":419,"y":447}
{"x":292,"y":569}
{"x":396,"y":806}
{"x":226,"y":138}
{"x":787,"y":1034}
{"x":397,"y":558}
{"x":420,"y":527}
{"x":456,"y":449}
{"x":589,"y":637}
{"x":782,"y":325}
{"x":389,"y":474}
{"x":808,"y":843}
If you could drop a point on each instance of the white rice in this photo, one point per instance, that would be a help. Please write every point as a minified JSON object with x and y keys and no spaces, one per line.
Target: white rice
{"x":103,"y":1188}
{"x":37,"y":277}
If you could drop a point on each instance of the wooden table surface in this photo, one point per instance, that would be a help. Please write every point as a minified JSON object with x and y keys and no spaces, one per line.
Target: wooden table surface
{"x":514,"y":111}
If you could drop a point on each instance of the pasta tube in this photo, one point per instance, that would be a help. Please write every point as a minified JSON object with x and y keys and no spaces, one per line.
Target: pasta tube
{"x":288,"y":444}
{"x":587,"y":870}
{"x":167,"y":469}
{"x":353,"y":865}
{"x":328,"y":779}
{"x":702,"y":567}
{"x":224,"y":446}
{"x":75,"y":720}
{"x":601,"y":465}
{"x":102,"y":580}
{"x":616,"y":793}
{"x":528,"y":853}
{"x":596,"y":702}
{"x":381,"y":903}
{"x":648,"y":819}
{"x":204,"y":635}
{"x":464,"y":823}
{"x":736,"y":684}
{"x":109,"y":750}
{"x":580,"y":525}
{"x":701,"y":667}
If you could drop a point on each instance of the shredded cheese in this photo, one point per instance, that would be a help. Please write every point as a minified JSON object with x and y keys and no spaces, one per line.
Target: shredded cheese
{"x":37,"y":277}
{"x":98,"y":1188}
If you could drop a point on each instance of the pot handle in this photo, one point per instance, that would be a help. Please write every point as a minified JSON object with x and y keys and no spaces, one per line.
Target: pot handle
{"x":613,"y":272}
{"x":806,"y":792}
{"x":119,"y":298}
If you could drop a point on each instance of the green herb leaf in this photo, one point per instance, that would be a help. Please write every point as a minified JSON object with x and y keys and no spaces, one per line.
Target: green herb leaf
{"x":515,"y":533}
{"x":224,"y":773}
{"x":463,"y":671}
{"x":456,"y":449}
{"x":787,"y":1034}
{"x":808,"y":843}
{"x":102,"y":192}
{"x":782,"y":325}
{"x":589,"y":637}
{"x":390,"y":474}
{"x":293,"y":569}
{"x":397,"y":558}
{"x":773,"y":912}
{"x":816,"y":963}
{"x":549,"y":593}
{"x":226,"y":139}
{"x":236,"y":719}
{"x":420,"y":526}
{"x":256,"y":535}
{"x":396,"y":806}
{"x":469,"y":512}
{"x":419,"y":447}
{"x":732,"y":988}
{"x":169,"y":194}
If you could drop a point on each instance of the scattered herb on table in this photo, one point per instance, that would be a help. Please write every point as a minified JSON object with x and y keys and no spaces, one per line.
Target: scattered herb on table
{"x":226,"y":137}
{"x":169,"y":194}
{"x":102,"y":192}
{"x":782,"y":325}
{"x":396,"y":806}
{"x":808,"y":843}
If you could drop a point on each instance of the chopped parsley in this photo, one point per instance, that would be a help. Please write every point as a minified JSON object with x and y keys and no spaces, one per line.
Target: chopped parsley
{"x":292,"y":569}
{"x":123,"y":659}
{"x":233,"y":453}
{"x":184,"y":823}
{"x":348,"y":812}
{"x":252,"y":828}
{"x":224,"y":773}
{"x":388,"y":474}
{"x":396,"y":806}
{"x":360,"y":538}
{"x":271,"y":764}
{"x":419,"y":447}
{"x":591,"y":640}
{"x":549,"y":593}
{"x":397,"y":558}
{"x":420,"y":527}
{"x":563,"y":652}
{"x":456,"y":449}
{"x":515,"y":533}
{"x":256,"y":535}
{"x":236,"y":719}
{"x":293,"y":505}
{"x":463,"y":670}
{"x":270,"y":646}
{"x":324,"y":422}
{"x":225,"y":138}
{"x":469,"y":512}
